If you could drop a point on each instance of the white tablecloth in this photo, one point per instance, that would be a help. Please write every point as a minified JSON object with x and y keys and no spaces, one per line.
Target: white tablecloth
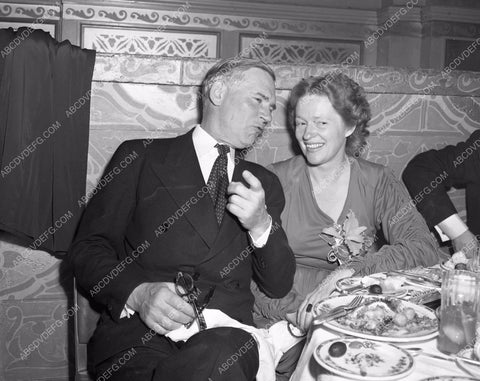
{"x":309,"y":370}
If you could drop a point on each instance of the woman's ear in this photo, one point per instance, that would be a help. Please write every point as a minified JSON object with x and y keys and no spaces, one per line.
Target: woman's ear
{"x":349,"y":131}
{"x":217,"y":92}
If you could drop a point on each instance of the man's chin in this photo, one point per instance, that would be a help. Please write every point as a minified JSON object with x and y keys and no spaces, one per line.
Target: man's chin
{"x":249,"y":142}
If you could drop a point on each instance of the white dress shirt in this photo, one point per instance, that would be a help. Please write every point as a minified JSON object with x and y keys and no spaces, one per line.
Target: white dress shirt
{"x":204,"y":145}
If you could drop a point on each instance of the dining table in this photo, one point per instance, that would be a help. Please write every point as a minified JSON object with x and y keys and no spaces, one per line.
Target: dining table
{"x":424,"y":365}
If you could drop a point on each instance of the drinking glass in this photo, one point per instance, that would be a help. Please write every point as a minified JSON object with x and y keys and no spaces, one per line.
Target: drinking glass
{"x":458,"y":310}
{"x":474,"y":262}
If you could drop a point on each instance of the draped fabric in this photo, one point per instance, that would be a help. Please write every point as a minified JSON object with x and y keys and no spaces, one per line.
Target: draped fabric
{"x":45,"y":93}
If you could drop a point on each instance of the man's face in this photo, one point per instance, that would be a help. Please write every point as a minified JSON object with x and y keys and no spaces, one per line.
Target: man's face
{"x":246,"y":107}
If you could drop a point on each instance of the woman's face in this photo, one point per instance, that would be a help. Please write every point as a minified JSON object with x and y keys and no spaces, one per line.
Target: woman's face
{"x":320,"y":130}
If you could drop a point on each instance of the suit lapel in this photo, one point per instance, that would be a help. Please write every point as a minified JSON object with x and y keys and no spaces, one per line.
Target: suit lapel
{"x":181,"y":175}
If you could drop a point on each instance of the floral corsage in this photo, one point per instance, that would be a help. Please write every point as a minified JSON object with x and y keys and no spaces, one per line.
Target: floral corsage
{"x":347,"y":240}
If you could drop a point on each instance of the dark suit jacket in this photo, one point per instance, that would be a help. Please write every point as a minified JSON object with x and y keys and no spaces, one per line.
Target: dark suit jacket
{"x":157,"y":210}
{"x":461,"y":164}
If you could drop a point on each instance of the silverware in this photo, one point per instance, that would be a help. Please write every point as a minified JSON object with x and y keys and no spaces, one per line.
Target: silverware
{"x":454,"y":358}
{"x":469,"y":361}
{"x":338,"y":311}
{"x":417,"y":278}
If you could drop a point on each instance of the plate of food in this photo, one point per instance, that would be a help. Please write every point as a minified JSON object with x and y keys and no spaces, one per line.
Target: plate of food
{"x":382,"y":318}
{"x":377,"y":284}
{"x":364,"y":359}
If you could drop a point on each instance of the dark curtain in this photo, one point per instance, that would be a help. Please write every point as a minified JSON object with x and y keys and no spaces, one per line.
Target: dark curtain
{"x":44,"y":127}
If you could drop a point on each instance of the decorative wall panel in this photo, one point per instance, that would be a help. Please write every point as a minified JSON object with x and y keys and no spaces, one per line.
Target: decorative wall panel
{"x":299,"y":51}
{"x":23,"y":324}
{"x":35,"y":289}
{"x":150,"y":42}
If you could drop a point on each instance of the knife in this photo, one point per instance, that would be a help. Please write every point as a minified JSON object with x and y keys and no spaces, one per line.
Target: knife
{"x":421,"y":280}
{"x":329,"y":316}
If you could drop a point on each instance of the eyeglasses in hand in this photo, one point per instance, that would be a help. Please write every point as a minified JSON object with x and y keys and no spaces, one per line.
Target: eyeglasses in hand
{"x":185,"y":288}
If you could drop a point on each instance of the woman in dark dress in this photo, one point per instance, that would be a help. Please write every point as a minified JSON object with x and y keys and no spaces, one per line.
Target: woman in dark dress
{"x":344,"y":216}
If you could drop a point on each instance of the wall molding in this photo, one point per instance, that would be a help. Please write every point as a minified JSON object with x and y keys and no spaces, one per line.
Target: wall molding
{"x":30,"y":11}
{"x":246,"y":9}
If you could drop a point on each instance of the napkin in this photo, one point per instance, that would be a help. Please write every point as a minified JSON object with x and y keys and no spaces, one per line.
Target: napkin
{"x":272,"y":342}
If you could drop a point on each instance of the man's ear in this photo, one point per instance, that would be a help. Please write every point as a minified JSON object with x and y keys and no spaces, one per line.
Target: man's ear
{"x":217,"y":92}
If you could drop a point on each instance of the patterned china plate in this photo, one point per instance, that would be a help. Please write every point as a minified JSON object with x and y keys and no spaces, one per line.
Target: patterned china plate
{"x":366,"y":360}
{"x":376,"y":319}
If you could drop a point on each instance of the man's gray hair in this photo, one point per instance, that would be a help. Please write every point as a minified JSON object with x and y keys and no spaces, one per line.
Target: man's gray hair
{"x":226,"y":68}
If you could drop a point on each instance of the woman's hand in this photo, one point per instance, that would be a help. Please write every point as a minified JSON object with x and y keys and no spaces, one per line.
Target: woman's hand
{"x":305,"y":311}
{"x":304,"y":316}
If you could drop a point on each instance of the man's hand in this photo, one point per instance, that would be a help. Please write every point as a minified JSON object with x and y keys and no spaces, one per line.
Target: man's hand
{"x":466,"y":242}
{"x":248,"y":204}
{"x":160,"y":308}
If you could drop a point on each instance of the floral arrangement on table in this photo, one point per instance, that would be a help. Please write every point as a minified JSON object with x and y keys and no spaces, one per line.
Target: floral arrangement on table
{"x":347,"y":240}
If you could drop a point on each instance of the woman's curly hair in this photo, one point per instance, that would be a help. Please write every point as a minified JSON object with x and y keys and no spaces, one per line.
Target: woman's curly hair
{"x":347,"y":98}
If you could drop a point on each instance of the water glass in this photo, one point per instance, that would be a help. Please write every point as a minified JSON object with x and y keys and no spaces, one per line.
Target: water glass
{"x":474,"y":262}
{"x":458,"y":310}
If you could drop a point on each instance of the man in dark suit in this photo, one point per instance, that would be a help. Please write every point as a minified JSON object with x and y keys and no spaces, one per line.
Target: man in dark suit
{"x":161,"y":219}
{"x":431,"y":174}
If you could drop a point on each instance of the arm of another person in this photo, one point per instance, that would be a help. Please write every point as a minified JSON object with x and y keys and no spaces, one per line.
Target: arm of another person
{"x":410,"y":242}
{"x":431,"y":174}
{"x":98,"y":269}
{"x":273,"y":263}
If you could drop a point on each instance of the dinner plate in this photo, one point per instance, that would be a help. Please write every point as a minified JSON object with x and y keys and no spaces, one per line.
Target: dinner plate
{"x":449,"y":378}
{"x":473,"y":369}
{"x":365,"y":360}
{"x":359,"y":322}
{"x":344,"y":284}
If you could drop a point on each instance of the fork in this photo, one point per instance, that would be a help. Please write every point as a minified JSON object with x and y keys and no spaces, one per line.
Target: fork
{"x":338,"y":311}
{"x":354,"y":303}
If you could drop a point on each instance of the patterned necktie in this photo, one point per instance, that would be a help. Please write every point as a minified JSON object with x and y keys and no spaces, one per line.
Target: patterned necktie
{"x":218,"y":181}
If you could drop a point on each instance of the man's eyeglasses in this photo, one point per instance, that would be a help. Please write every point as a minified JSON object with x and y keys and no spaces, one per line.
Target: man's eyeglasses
{"x":185,"y":288}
